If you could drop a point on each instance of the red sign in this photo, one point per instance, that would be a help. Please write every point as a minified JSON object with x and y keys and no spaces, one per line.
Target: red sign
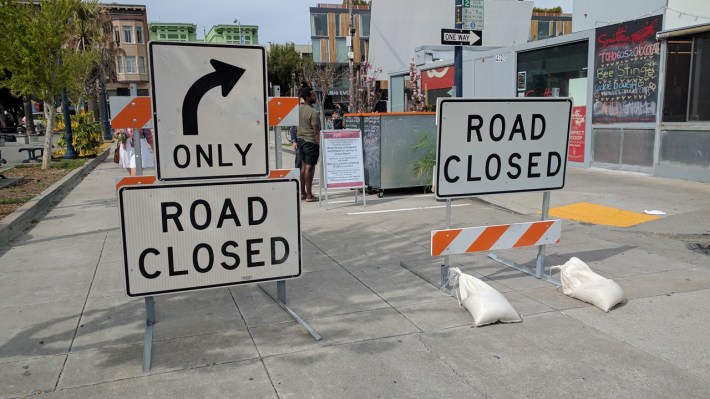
{"x":439,"y":78}
{"x":575,"y":152}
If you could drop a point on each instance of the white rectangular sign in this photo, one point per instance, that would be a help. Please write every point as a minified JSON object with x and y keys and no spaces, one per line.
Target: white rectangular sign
{"x":342,"y":157}
{"x":181,"y":237}
{"x":210,"y":110}
{"x":489,"y":146}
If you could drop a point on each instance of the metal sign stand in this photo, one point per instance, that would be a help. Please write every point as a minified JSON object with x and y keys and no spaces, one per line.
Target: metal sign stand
{"x":280,"y":299}
{"x":539,"y":271}
{"x":148,"y":335}
{"x":444,"y":284}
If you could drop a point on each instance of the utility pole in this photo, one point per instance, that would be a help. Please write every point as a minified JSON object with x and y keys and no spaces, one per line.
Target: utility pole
{"x":351,"y":55}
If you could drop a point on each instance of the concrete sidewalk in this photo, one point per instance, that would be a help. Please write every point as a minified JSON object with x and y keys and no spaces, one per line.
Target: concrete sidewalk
{"x":68,"y":330}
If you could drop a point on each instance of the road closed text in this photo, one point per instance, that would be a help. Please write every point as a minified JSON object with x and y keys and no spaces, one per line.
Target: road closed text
{"x":228,"y":254}
{"x":497,"y":145}
{"x":179,"y":237}
{"x":513,"y":165}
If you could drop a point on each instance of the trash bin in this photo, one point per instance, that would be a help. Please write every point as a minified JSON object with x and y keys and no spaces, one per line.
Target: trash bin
{"x":390,"y":151}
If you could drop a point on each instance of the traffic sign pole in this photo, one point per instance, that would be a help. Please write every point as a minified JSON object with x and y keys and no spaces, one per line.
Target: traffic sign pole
{"x":458,"y":53}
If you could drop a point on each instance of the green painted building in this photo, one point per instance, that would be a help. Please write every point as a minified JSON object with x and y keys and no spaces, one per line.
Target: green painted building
{"x":230,"y":34}
{"x":177,"y":32}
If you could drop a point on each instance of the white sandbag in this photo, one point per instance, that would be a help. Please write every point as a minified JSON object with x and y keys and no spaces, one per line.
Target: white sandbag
{"x":579,"y":281}
{"x":485,"y":304}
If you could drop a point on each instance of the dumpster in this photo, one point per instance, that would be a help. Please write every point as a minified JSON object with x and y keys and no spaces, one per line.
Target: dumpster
{"x":390,"y":147}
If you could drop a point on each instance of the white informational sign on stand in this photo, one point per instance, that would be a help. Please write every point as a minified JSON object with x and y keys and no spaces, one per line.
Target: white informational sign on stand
{"x":342,"y":159}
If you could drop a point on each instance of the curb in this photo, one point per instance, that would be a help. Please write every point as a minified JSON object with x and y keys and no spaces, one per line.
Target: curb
{"x":15,"y":223}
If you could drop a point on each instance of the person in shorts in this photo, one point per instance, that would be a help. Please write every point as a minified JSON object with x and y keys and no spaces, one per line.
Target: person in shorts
{"x":308,"y":135}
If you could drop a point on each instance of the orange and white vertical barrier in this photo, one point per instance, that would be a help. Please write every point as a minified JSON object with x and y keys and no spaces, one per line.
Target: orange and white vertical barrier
{"x":489,"y":238}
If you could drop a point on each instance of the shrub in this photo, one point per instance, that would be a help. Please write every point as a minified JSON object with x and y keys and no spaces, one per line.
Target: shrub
{"x":86,"y":136}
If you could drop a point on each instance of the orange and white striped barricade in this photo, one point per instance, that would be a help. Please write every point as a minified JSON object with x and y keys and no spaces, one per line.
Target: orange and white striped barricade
{"x":283,"y":111}
{"x":491,"y":238}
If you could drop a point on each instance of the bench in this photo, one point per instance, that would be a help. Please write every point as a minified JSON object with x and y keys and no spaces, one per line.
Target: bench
{"x":33,"y":153}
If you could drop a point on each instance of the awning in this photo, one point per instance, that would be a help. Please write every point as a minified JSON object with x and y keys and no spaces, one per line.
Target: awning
{"x":687,"y":30}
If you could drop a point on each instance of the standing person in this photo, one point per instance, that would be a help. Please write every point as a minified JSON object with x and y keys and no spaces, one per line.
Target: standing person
{"x":308,"y":142}
{"x":338,"y":117}
{"x":127,"y":151}
{"x":294,"y":146}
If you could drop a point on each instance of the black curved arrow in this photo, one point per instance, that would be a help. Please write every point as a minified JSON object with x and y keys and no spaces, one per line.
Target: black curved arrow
{"x":224,"y":75}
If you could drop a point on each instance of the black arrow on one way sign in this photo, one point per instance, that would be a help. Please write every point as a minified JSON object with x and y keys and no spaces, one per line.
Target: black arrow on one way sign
{"x":224,"y":75}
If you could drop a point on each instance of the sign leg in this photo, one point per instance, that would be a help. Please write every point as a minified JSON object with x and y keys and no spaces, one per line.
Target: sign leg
{"x":281,"y":291}
{"x":148,"y":337}
{"x":277,"y":146}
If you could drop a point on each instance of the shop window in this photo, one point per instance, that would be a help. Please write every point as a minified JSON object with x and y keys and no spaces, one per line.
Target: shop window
{"x":675,"y":102}
{"x":687,"y":89}
{"x":319,"y":25}
{"x":700,"y":79}
{"x":547,"y":71}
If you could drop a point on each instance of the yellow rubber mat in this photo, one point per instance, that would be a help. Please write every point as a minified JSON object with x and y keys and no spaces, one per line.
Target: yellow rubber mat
{"x":599,"y":214}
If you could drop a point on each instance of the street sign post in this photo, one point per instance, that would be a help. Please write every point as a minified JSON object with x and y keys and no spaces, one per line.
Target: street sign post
{"x":489,"y":146}
{"x":209,"y":104}
{"x":462,"y":37}
{"x":181,"y":237}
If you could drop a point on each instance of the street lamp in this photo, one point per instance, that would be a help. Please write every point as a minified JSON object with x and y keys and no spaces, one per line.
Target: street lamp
{"x":241,"y":38}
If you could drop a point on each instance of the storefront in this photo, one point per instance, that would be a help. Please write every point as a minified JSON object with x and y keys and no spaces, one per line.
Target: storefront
{"x":645,"y":105}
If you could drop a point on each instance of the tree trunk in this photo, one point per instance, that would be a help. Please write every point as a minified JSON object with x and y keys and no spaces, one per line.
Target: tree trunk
{"x":49,"y":114}
{"x":29,"y":120}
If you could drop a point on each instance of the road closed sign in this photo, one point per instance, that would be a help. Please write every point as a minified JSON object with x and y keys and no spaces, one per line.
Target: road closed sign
{"x":210,"y":110}
{"x":488,"y":146}
{"x":181,"y":237}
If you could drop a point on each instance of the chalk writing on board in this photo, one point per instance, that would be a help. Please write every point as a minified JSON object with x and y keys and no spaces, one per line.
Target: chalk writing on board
{"x":626,"y":70}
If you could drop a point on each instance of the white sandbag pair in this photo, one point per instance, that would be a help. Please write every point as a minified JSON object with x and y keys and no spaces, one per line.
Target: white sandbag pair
{"x":579,"y":281}
{"x":485,"y":304}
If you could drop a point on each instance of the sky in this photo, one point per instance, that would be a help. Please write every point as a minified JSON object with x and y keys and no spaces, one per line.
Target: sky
{"x":279,"y":21}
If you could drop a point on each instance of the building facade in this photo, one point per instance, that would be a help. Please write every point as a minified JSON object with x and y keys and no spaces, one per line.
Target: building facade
{"x":177,"y":32}
{"x":544,"y":25}
{"x":233,"y":34}
{"x":130,"y":30}
{"x":640,"y":91}
{"x":330,"y":32}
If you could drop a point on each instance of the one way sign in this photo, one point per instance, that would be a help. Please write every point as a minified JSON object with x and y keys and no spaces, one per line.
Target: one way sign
{"x":461,"y":37}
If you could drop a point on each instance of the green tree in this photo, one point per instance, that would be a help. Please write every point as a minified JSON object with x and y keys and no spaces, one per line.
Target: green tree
{"x":322,"y":77}
{"x":37,"y":52}
{"x":285,"y":66}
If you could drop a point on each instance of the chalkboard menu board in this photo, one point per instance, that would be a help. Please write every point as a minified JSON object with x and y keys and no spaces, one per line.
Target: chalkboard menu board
{"x":371,"y":149}
{"x":626,"y":68}
{"x":353,"y":122}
